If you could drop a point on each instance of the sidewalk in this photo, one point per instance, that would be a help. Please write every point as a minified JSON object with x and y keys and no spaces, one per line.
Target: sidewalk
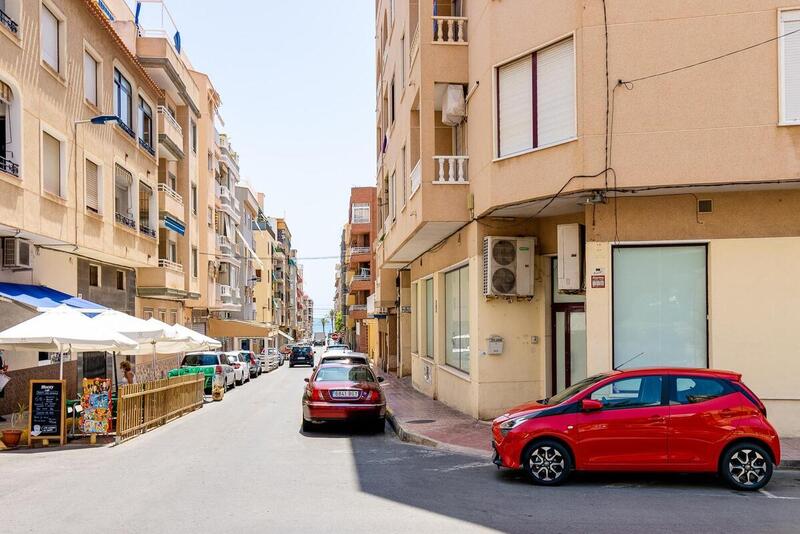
{"x":419,"y":419}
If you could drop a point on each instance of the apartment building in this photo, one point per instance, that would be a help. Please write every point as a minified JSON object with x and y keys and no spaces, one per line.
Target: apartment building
{"x":284,"y":283}
{"x":265,"y":301}
{"x":543,"y":222}
{"x":79,"y":212}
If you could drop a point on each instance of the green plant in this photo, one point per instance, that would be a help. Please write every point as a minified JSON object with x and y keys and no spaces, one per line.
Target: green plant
{"x":324,"y":322}
{"x":339,"y":325}
{"x":18,"y":416}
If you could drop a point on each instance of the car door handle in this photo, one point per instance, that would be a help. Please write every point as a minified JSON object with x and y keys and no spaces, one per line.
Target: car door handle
{"x":656,"y":419}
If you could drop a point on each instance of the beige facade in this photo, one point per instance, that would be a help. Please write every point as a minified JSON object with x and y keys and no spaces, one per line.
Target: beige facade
{"x":701,"y":159}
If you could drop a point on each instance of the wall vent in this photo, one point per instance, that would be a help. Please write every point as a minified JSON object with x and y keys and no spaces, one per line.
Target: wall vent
{"x":705,"y":206}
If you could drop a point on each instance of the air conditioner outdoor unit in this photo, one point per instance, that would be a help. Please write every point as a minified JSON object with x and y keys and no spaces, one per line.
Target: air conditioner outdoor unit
{"x":16,"y":253}
{"x":508,"y":266}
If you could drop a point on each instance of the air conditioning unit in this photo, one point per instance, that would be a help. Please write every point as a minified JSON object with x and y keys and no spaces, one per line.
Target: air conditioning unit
{"x":16,"y":253}
{"x":508,"y":266}
{"x":570,"y":257}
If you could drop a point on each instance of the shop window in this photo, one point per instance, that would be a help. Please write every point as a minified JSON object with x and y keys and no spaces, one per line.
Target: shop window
{"x":121,"y":280}
{"x":457,"y":349}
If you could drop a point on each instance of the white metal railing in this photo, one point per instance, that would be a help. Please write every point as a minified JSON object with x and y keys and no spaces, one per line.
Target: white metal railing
{"x":450,"y":30}
{"x":412,"y":51}
{"x":451,"y":170}
{"x":164,"y":188}
{"x":171,"y":265}
{"x":223,"y":241}
{"x":358,"y":307}
{"x":225,"y":291}
{"x":363,"y":276}
{"x":170,"y":119}
{"x":416,"y":177}
{"x":354,"y":251}
{"x":223,"y":192}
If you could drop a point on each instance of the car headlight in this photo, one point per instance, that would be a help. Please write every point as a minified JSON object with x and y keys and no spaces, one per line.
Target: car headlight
{"x":507,"y":426}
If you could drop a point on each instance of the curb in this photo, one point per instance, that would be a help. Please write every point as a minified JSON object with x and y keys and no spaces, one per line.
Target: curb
{"x":789,"y":465}
{"x":420,"y":439}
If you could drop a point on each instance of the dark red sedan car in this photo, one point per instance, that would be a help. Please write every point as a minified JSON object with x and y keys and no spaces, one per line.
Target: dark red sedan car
{"x":684,"y":420}
{"x":339,"y":392}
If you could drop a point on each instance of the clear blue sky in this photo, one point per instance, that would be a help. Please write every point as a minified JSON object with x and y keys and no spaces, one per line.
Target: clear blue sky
{"x":298,"y":98}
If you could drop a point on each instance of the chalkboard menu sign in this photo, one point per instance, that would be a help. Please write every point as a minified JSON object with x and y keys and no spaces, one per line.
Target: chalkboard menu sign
{"x":47,"y":410}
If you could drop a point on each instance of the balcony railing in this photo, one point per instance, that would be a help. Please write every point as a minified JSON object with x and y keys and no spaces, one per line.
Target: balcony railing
{"x":147,"y":147}
{"x":450,"y":30}
{"x":223,"y":241}
{"x":171,"y":265}
{"x":416,"y":177}
{"x":8,"y":22}
{"x":170,"y":119}
{"x":362,"y":276}
{"x":144,"y":229}
{"x":451,"y":170}
{"x":9,"y":167}
{"x":355,"y":251}
{"x":164,"y":188}
{"x":127,"y":129}
{"x":358,"y":307}
{"x":223,"y":192}
{"x":225,"y":291}
{"x":124,"y":219}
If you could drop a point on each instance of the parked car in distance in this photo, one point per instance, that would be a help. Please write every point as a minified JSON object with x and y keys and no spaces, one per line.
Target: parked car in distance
{"x":219,"y":374}
{"x":241,"y":367}
{"x":269,"y":359}
{"x":337,"y":392}
{"x":319,"y":339}
{"x":252,"y":362}
{"x":301,"y":356}
{"x":349,"y":358}
{"x":670,"y":419}
{"x":337,"y":346}
{"x":286,"y":349}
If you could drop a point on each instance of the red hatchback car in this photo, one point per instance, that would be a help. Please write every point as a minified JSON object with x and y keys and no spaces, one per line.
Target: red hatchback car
{"x":685,"y":420}
{"x":338,"y":392}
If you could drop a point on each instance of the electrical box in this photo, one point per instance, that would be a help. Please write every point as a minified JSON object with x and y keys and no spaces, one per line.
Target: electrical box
{"x":508,"y":266}
{"x":570,"y":257}
{"x":494,"y":345}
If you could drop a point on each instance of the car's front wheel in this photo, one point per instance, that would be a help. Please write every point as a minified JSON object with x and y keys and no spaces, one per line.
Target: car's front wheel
{"x":547,"y":463}
{"x":746,"y":466}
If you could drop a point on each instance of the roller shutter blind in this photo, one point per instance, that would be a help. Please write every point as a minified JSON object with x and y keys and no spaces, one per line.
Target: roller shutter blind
{"x":89,"y":78}
{"x":51,"y":164}
{"x":790,"y":73}
{"x":515,"y":106}
{"x":555,"y":79}
{"x":49,"y":37}
{"x":92,"y":194}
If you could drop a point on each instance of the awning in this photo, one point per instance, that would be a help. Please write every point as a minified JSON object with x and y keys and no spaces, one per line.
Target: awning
{"x":173,"y":224}
{"x":41,"y":298}
{"x":284,"y":334}
{"x":232,"y":328}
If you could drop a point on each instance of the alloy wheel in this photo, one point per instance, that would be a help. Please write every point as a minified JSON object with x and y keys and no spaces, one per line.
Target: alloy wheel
{"x":748,"y":467}
{"x":546,"y":463}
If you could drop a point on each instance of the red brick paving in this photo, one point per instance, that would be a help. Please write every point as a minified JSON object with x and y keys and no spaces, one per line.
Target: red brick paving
{"x":419,"y":414}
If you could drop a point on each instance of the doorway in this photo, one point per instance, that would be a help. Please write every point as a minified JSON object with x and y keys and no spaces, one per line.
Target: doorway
{"x":568,"y":364}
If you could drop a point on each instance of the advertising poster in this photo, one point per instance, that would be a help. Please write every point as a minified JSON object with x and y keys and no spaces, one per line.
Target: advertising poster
{"x":96,"y":404}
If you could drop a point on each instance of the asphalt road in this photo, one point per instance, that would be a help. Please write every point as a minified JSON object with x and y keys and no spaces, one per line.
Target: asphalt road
{"x":242,"y":465}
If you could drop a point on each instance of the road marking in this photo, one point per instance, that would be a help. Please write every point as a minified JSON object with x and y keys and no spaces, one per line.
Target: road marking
{"x":773,"y":496}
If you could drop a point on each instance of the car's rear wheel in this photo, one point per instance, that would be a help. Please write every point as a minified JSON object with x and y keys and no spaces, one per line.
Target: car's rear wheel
{"x":379,"y":426}
{"x":547,"y":462}
{"x":746,"y":466}
{"x":308,"y":426}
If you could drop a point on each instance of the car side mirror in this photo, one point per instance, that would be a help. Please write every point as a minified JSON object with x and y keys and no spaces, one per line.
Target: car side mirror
{"x":380,"y":379}
{"x":591,"y":405}
{"x":307,"y":380}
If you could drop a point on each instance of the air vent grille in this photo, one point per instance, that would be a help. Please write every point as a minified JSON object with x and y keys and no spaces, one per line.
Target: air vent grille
{"x":705,"y":206}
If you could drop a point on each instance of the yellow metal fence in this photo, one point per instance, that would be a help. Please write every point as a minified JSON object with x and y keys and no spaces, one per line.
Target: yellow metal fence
{"x":147,"y":405}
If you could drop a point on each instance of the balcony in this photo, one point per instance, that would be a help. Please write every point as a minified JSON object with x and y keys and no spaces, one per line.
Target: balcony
{"x":125,"y":220}
{"x":156,"y":52}
{"x":228,"y":203}
{"x":9,"y":23}
{"x":146,"y":230}
{"x":170,"y":134}
{"x":450,"y":30}
{"x":357,"y":311}
{"x":165,"y":281}
{"x":169,"y":202}
{"x":225,"y":293}
{"x":9,"y":167}
{"x":450,"y":170}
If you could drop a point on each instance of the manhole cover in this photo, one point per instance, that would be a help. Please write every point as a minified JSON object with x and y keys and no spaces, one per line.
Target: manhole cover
{"x":421,"y":421}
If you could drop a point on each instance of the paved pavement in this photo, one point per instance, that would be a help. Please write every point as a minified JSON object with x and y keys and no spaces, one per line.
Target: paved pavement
{"x":242,"y":465}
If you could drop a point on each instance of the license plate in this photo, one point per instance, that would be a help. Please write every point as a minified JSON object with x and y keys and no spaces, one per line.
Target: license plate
{"x":345,"y":394}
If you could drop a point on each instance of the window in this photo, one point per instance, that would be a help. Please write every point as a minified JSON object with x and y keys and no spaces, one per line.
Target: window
{"x":9,"y":127}
{"x":194,"y":262}
{"x":360,"y":213}
{"x":173,"y":317}
{"x":145,"y":123}
{"x":630,"y":393}
{"x":94,"y":275}
{"x":210,"y":216}
{"x":429,"y":317}
{"x":146,"y":209}
{"x":147,"y":313}
{"x":691,"y":390}
{"x":403,"y":177}
{"x":210,"y":161}
{"x":391,"y":102}
{"x":51,"y":164}
{"x":536,"y":99}
{"x":123,"y":100}
{"x":162,"y":315}
{"x":50,"y":36}
{"x":121,"y":280}
{"x":659,"y":306}
{"x":172,"y":251}
{"x":194,"y":136}
{"x":89,"y":78}
{"x":456,"y":316}
{"x":172,"y":181}
{"x":93,"y":187}
{"x":123,"y":205}
{"x":194,"y":199}
{"x":790,"y":67}
{"x":392,"y":196}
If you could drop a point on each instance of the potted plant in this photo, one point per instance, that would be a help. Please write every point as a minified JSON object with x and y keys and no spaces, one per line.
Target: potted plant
{"x":11,"y":436}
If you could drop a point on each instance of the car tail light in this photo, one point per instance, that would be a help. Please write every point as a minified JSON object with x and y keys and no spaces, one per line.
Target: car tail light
{"x":318,"y":395}
{"x":374,"y":396}
{"x":218,"y":369}
{"x":236,"y":365}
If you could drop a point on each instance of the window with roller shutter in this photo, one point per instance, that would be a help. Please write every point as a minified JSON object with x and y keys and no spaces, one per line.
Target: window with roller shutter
{"x":536,"y":99}
{"x":49,"y":25}
{"x":790,"y":67}
{"x":51,"y":164}
{"x":92,"y":186}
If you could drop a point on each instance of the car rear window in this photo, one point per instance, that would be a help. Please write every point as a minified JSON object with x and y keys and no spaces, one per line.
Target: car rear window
{"x":200,"y":359}
{"x":344,"y":374}
{"x":345,"y":359}
{"x":693,"y":389}
{"x":304,"y":351}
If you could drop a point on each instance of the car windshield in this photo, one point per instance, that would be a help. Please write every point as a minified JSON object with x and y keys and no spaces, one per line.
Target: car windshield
{"x":244,"y":357}
{"x":574,"y":389}
{"x":344,"y":374}
{"x":200,"y":359}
